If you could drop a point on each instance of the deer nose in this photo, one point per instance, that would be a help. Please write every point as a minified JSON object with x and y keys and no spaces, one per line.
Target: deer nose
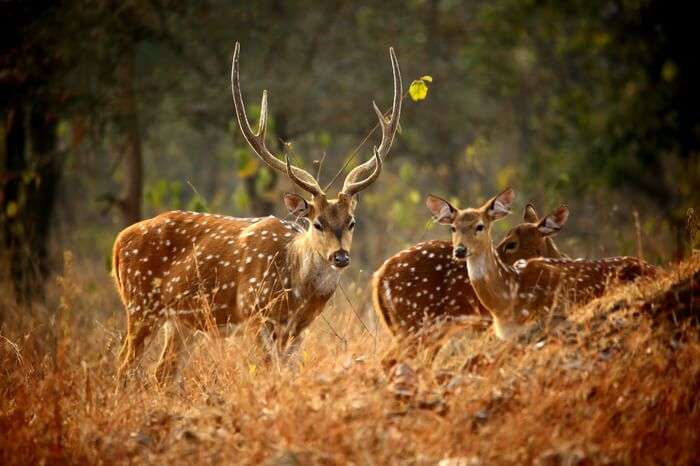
{"x":340,"y":258}
{"x":460,"y":251}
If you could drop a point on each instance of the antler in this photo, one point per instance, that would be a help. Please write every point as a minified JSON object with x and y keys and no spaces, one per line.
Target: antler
{"x":371,"y":168}
{"x":256,"y":141}
{"x":313,"y":188}
{"x":354,"y":188}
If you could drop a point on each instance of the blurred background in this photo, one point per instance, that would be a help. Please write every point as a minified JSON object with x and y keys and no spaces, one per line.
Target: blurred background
{"x":116,"y":111}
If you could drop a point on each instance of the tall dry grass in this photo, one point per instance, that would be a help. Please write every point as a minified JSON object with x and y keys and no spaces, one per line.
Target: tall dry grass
{"x":618,"y":382}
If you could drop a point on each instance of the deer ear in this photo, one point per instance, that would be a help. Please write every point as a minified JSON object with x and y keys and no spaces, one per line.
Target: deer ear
{"x":297,"y":205}
{"x":500,"y":206}
{"x":442,"y":211}
{"x":552,"y":223}
{"x":530,"y":214}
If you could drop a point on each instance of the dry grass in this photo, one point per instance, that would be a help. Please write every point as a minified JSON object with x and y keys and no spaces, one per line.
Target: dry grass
{"x":616,"y":383}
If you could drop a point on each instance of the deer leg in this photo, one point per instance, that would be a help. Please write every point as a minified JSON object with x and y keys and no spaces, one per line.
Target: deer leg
{"x":288,"y":351}
{"x":137,"y":330}
{"x":168,"y":360}
{"x":269,"y":340}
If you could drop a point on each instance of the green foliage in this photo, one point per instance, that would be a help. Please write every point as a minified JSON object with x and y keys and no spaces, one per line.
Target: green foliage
{"x":407,"y":172}
{"x":246,"y":163}
{"x":324,"y":139}
{"x":197,"y":204}
{"x":586,"y":102}
{"x":164,"y":195}
{"x":240,"y":198}
{"x":263,"y":178}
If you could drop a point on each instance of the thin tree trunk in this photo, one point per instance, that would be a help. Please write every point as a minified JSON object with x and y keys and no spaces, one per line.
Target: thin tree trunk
{"x":130,"y":202}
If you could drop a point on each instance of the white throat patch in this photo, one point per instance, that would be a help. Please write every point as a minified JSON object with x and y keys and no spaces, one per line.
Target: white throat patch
{"x":318,"y":272}
{"x":476,"y":267}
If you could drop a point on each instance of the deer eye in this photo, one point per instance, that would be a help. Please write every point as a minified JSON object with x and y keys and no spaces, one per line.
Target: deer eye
{"x":511,"y":245}
{"x":318,"y":226}
{"x":352,"y":224}
{"x":453,"y":228}
{"x":480,"y":227}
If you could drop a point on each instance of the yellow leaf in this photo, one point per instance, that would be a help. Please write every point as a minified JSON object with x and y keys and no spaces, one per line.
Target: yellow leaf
{"x":11,"y":209}
{"x":248,"y":168}
{"x":418,"y":90}
{"x":252,"y":368}
{"x":427,"y":78}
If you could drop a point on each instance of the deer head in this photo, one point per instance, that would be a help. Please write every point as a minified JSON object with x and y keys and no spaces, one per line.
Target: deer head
{"x":471,"y":227}
{"x":533,"y":238}
{"x":331,"y":221}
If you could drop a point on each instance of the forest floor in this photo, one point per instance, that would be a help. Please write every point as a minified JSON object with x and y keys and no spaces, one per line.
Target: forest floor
{"x":617,"y":382}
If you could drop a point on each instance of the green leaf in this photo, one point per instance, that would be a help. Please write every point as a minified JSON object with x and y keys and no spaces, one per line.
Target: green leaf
{"x":406,"y":172}
{"x":418,"y":90}
{"x":426,"y":78}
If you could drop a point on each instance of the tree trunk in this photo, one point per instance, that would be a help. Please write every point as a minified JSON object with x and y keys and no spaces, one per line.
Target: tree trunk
{"x":133,"y":158}
{"x":130,"y":202}
{"x":28,"y":197}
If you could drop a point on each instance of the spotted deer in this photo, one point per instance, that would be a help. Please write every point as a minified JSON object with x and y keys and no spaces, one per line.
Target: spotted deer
{"x":274,"y":274}
{"x":425,"y":284}
{"x":530,"y":288}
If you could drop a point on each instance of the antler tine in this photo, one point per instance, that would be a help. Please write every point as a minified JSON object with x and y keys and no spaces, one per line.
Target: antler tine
{"x":312,"y":188}
{"x":257,"y":140}
{"x":388,"y":130}
{"x":354,"y":188}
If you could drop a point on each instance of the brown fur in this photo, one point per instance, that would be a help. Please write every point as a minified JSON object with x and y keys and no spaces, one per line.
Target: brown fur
{"x":206,"y":269}
{"x":446,"y":292}
{"x":515,"y":294}
{"x":214,"y":270}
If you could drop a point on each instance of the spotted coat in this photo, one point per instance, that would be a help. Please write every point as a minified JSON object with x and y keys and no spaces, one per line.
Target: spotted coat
{"x":532,"y":288}
{"x":208,"y":269}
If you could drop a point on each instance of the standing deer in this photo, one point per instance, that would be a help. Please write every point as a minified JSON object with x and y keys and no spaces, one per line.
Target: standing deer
{"x":266,"y":271}
{"x":529,"y":288}
{"x":425,"y":285}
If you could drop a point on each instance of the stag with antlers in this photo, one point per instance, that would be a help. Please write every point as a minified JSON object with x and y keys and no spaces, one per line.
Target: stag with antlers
{"x":274,"y":274}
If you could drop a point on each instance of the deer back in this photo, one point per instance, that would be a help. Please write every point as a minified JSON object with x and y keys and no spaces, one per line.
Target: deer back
{"x":544,"y":283}
{"x":423,"y":285}
{"x":182,"y":263}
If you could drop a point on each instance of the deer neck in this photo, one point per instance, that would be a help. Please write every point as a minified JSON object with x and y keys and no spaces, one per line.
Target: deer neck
{"x":311,"y":272}
{"x":495,"y":286}
{"x":551,"y":250}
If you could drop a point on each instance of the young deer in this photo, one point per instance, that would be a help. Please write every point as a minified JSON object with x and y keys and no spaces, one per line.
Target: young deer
{"x":425,"y":285}
{"x":528,"y":288}
{"x":265,"y":271}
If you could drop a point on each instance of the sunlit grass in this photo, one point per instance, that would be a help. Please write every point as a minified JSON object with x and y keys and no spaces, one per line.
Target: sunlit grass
{"x":615,"y":383}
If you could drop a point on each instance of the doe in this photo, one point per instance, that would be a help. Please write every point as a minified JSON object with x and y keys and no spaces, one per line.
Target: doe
{"x":426,"y":285}
{"x":527,"y":289}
